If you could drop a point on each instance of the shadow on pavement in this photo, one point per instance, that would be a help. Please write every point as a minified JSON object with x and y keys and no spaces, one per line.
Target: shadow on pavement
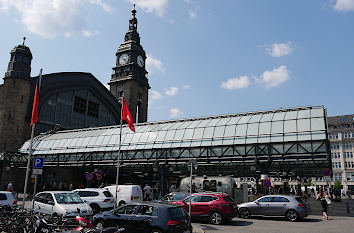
{"x":234,"y":222}
{"x":282,"y":219}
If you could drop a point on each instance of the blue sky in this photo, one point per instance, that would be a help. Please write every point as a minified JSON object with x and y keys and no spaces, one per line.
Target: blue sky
{"x":205,"y":57}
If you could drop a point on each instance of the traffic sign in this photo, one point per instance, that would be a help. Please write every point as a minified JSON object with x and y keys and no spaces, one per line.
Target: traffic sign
{"x":192,"y":163}
{"x":98,"y":177}
{"x":326,"y":172}
{"x":37,"y":171}
{"x":266,"y":183}
{"x":100,"y":172}
{"x":89,"y":176}
{"x":38,"y":163}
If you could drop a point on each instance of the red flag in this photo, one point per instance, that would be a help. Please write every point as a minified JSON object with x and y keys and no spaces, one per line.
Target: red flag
{"x":127,"y":116}
{"x":34,"y":118}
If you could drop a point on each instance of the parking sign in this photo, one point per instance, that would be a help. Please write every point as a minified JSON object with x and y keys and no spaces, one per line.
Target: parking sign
{"x":38,"y":163}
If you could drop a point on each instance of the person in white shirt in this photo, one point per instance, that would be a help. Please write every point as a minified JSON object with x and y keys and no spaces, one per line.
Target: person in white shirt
{"x":147,"y":192}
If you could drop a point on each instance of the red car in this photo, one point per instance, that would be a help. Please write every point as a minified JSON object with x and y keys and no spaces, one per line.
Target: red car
{"x":217,"y":207}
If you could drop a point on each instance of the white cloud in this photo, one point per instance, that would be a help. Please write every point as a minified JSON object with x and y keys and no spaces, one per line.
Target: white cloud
{"x":344,"y":5}
{"x":89,"y":33}
{"x":157,"y":6}
{"x":236,"y":83}
{"x":172,"y":91}
{"x":49,"y":18}
{"x":275,"y":77}
{"x":153,"y":64}
{"x":193,"y":15}
{"x":280,"y":49}
{"x":155,"y":95}
{"x":175,"y":113}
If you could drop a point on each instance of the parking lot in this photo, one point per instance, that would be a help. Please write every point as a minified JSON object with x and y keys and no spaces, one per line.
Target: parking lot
{"x":313,"y":223}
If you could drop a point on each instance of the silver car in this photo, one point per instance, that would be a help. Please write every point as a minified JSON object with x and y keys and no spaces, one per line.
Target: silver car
{"x":288,"y":206}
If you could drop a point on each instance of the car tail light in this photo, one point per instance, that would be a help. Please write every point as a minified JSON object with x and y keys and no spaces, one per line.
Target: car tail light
{"x":15,"y":202}
{"x":173,"y":223}
{"x":131,"y":197}
{"x":106,"y":200}
{"x":302,"y":205}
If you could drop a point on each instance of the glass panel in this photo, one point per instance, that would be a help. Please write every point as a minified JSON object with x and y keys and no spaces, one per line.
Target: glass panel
{"x":317,"y":124}
{"x":169,"y":135}
{"x":290,"y":126}
{"x":241,"y":130}
{"x":263,"y":139}
{"x":135,"y":138}
{"x":194,"y":124}
{"x":255,"y":118}
{"x":166,"y":126}
{"x":290,"y":137}
{"x":230,"y":131}
{"x":252,"y":129}
{"x":303,"y":114}
{"x":152,"y":136}
{"x":267,"y":117}
{"x":213,"y":122}
{"x":177,"y":125}
{"x":198,"y":133}
{"x":179,"y":134}
{"x":303,"y":125}
{"x":223,"y":121}
{"x":99,"y":140}
{"x":317,"y":112}
{"x":128,"y":138}
{"x":276,"y":138}
{"x":277,"y":127}
{"x":318,"y":136}
{"x":219,"y":131}
{"x":161,"y":135}
{"x":188,"y":134}
{"x":114,"y":140}
{"x":185,"y":124}
{"x":244,"y":119}
{"x":264,"y":128}
{"x":106,"y":140}
{"x":278,"y":116}
{"x":291,"y":115}
{"x":144,"y":137}
{"x":303,"y":136}
{"x":208,"y":132}
{"x":234,"y":120}
{"x":204,"y":123}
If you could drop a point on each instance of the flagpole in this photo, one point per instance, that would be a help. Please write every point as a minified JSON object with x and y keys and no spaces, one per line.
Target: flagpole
{"x":119,"y":145}
{"x":30,"y":153}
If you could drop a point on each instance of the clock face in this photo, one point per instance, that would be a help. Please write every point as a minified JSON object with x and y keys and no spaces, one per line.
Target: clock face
{"x":123,"y":59}
{"x":140,"y":61}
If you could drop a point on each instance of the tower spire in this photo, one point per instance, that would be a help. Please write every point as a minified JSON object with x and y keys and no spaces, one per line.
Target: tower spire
{"x":24,"y":39}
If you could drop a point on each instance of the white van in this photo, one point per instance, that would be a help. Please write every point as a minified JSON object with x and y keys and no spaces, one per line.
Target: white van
{"x":126,"y":193}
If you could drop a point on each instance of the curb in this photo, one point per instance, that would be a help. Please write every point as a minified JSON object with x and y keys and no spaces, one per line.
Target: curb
{"x":197,"y":229}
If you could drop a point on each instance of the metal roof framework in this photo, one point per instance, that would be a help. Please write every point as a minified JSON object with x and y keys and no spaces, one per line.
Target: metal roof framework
{"x":241,"y":144}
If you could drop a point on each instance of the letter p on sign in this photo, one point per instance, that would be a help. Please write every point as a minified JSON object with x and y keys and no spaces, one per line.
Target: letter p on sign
{"x":38,"y":163}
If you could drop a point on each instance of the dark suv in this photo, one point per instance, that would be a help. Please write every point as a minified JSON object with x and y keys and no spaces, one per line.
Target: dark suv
{"x":218,"y":207}
{"x":146,"y":217}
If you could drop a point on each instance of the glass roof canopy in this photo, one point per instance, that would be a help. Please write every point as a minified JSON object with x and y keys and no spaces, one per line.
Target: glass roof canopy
{"x":274,"y":126}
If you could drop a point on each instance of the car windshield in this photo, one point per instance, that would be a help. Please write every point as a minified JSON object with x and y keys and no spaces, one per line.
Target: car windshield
{"x":180,"y":196}
{"x":68,"y":198}
{"x":228,"y":199}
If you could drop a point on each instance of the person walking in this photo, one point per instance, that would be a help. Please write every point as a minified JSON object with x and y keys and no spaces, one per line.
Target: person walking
{"x":322,"y":197}
{"x":147,"y":192}
{"x":155,"y":192}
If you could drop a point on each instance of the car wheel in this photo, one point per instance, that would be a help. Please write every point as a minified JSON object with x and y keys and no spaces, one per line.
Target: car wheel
{"x":245,"y":213}
{"x":291,"y":215}
{"x":95,"y":208}
{"x":121,"y":203}
{"x":99,"y":225}
{"x":156,"y":231}
{"x":216,"y":218}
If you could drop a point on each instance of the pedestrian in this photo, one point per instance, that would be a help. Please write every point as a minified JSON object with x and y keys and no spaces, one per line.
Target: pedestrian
{"x":194,"y":188}
{"x":71,"y":186}
{"x":147,"y":192}
{"x":155,"y":192}
{"x":173,"y":188}
{"x":324,"y":202}
{"x":10,"y":186}
{"x":349,"y":194}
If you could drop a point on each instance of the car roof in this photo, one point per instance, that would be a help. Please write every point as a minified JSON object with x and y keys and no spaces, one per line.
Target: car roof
{"x":212,"y":193}
{"x":54,"y":192}
{"x":157,"y":204}
{"x":89,"y":189}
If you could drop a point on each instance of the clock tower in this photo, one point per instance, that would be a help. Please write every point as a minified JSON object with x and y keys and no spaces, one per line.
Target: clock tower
{"x":129,"y":73}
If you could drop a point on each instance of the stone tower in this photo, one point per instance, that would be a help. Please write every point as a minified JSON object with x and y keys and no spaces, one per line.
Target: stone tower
{"x":15,"y":95}
{"x":129,"y":74}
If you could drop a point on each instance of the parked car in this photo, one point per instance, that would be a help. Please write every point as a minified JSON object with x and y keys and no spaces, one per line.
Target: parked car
{"x":146,"y":217}
{"x":126,"y":193}
{"x":98,"y":199}
{"x":7,"y":199}
{"x":61,"y":203}
{"x":217,"y":207}
{"x":174,"y":196}
{"x":288,"y":206}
